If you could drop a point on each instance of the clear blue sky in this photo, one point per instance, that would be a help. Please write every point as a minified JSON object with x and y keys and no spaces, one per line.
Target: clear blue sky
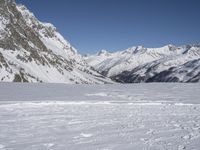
{"x":92,"y":25}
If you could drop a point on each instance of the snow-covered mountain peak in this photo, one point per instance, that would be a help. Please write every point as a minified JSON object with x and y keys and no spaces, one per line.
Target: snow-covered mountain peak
{"x":139,"y":48}
{"x":103,"y":52}
{"x":170,"y":47}
{"x":28,"y":16}
{"x":48,"y":32}
{"x":32,"y":21}
{"x":140,"y":64}
{"x":133,"y":50}
{"x":33,"y":51}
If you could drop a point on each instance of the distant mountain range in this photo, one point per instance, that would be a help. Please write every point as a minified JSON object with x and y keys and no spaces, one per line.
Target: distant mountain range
{"x":33,"y":51}
{"x":139,"y":64}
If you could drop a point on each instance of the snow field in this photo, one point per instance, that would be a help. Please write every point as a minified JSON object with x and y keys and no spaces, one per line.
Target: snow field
{"x":104,"y":117}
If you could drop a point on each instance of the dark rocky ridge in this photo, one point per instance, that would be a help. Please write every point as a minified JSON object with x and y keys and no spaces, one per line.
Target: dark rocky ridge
{"x":188,"y":70}
{"x":23,"y":39}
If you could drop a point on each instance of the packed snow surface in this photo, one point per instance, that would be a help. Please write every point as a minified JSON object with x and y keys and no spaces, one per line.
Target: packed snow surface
{"x":99,"y":117}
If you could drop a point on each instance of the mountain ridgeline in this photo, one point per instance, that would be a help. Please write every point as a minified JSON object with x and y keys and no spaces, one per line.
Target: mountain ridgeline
{"x":34,"y":51}
{"x":140,"y":64}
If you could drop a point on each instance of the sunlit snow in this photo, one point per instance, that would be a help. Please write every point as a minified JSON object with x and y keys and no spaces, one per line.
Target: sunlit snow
{"x":99,"y":117}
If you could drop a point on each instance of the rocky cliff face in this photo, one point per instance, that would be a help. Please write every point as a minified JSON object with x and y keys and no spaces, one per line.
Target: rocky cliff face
{"x":32,"y":51}
{"x":140,"y":64}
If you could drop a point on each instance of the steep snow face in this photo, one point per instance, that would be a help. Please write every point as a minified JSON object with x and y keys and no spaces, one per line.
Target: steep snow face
{"x":140,"y":64}
{"x":49,"y":35}
{"x":32,"y":51}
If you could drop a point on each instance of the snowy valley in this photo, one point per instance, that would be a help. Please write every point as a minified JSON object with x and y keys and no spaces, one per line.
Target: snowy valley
{"x":33,"y":51}
{"x":74,"y":102}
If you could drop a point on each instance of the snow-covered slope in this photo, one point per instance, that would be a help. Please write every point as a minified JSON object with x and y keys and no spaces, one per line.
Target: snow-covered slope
{"x":140,"y":64}
{"x":32,"y":51}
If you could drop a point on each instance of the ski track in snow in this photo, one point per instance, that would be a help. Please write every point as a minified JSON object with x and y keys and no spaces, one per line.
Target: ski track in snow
{"x":113,"y":118}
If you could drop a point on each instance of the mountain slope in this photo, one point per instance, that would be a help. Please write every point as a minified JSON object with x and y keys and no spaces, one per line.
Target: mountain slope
{"x":32,"y":51}
{"x":140,"y":64}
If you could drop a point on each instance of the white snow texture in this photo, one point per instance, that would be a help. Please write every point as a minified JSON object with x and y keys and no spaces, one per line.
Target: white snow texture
{"x":99,"y":117}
